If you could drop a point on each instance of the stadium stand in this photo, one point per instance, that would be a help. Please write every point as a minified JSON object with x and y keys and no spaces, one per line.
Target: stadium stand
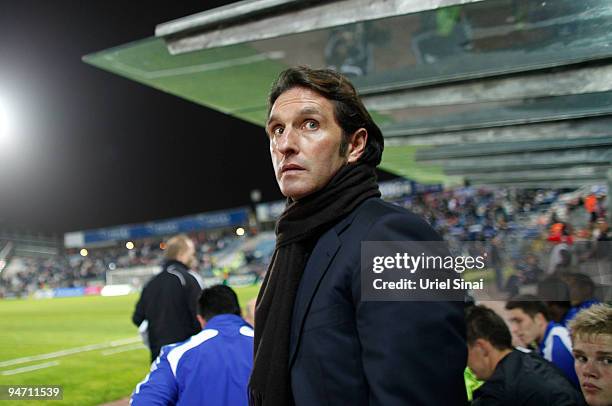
{"x":24,"y":275}
{"x":520,"y":219}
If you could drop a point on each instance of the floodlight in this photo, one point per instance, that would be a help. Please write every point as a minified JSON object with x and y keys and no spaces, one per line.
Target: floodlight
{"x":5,"y":121}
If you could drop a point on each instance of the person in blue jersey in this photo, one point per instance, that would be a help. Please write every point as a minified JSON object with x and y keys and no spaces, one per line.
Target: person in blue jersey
{"x":211,"y":368}
{"x":531,"y":324}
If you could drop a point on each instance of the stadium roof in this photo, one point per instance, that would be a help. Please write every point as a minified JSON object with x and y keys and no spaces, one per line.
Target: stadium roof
{"x":441,"y":73}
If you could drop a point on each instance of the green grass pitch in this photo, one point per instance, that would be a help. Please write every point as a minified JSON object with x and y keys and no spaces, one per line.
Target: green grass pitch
{"x":89,"y":376}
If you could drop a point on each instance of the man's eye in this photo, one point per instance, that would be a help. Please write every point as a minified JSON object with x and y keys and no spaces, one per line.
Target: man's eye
{"x":606,"y":361}
{"x":580,"y":358}
{"x":311,"y":125}
{"x":278,"y":130}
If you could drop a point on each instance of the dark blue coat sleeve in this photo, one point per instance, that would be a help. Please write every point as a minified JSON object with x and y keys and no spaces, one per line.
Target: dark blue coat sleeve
{"x":413,"y":352}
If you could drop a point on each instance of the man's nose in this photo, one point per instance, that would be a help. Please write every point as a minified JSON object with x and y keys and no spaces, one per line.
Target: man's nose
{"x":589,"y":369}
{"x":288,"y":142}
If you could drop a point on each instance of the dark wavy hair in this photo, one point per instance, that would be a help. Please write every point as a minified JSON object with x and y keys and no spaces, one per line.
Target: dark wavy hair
{"x":349,"y":111}
{"x":216,"y":300}
{"x":484,"y":323}
{"x":529,"y":304}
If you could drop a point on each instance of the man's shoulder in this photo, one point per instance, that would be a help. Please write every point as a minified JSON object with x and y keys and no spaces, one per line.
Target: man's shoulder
{"x":154,"y":282}
{"x":514,"y":377}
{"x":558,"y":330}
{"x":529,"y":373}
{"x":377,"y":217}
{"x":376,"y":210}
{"x":176,"y":352}
{"x":160,"y":280}
{"x":518,"y":364}
{"x":177,"y":270}
{"x":378,"y":206}
{"x":205,"y":342}
{"x":172,"y":278}
{"x":174,"y":266}
{"x":558,"y":335}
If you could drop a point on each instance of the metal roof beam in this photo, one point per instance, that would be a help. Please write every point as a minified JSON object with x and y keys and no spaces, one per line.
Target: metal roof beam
{"x":254,"y":20}
{"x":471,"y":150}
{"x":543,"y":176}
{"x":538,"y":110}
{"x":568,"y":129}
{"x":566,"y":183}
{"x":528,"y":85}
{"x":548,"y":162}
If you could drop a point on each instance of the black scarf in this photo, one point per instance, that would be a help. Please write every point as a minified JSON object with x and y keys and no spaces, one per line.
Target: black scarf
{"x":298,"y":228}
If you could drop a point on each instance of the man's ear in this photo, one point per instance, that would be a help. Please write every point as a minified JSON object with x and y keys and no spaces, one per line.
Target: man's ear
{"x":201,"y":320}
{"x":357,"y":144}
{"x":540,"y":319}
{"x":483,"y":346}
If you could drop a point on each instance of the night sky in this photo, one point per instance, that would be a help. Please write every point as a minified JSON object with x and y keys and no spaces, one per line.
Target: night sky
{"x":93,"y":149}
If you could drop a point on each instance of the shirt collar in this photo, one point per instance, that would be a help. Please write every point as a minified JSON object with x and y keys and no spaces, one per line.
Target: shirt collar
{"x":224,"y":320}
{"x":549,"y":327}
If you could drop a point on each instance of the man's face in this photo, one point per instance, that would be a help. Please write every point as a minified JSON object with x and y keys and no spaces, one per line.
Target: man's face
{"x":523,"y":326}
{"x":593,"y":363}
{"x":304,"y":142}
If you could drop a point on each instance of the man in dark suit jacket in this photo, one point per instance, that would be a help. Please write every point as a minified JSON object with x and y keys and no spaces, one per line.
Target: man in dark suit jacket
{"x":316,"y":341}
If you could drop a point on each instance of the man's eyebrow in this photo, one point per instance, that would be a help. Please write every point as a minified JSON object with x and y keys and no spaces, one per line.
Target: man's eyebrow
{"x":309,"y":110}
{"x":270,"y":119}
{"x":604,"y":353}
{"x":303,"y":112}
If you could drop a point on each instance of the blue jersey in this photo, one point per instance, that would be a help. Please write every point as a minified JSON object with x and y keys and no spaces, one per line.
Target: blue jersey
{"x":210,"y":368}
{"x":556,"y":347}
{"x":571,"y":313}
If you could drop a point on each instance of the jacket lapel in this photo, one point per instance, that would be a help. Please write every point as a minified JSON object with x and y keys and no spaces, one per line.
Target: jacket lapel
{"x":316,"y":267}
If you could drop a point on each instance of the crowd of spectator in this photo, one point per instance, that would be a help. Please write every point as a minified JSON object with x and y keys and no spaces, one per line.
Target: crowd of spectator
{"x":73,"y":269}
{"x":528,"y":234}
